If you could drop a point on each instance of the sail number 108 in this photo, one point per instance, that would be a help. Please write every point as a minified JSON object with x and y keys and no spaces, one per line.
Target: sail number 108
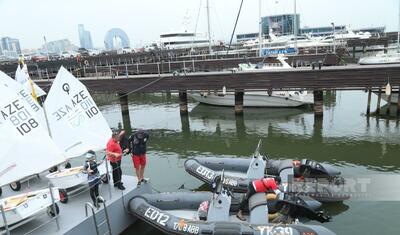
{"x":23,"y":121}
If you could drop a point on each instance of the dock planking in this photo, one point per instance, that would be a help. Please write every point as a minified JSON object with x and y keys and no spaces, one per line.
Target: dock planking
{"x":351,"y":77}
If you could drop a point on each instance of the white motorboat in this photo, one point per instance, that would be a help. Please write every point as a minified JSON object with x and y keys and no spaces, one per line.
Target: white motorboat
{"x":262,"y":66}
{"x":183,"y":39}
{"x":26,"y":205}
{"x":76,"y":126}
{"x":390,"y":58}
{"x":257,"y":99}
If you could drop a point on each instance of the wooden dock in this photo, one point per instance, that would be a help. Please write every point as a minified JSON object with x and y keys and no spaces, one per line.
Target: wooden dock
{"x":351,"y":77}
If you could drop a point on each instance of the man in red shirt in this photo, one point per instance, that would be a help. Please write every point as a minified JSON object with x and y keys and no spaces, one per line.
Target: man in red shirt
{"x":114,"y":155}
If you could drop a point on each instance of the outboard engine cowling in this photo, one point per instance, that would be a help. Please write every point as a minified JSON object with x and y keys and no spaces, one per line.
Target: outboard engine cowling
{"x":258,"y":208}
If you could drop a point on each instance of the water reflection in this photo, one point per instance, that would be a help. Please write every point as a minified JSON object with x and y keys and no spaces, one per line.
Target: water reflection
{"x":342,"y":137}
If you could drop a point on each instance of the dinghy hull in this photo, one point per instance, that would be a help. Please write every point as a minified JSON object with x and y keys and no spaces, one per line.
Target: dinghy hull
{"x":23,"y":206}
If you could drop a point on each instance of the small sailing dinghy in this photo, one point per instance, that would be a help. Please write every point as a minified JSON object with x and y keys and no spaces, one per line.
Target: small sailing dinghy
{"x":76,"y":125}
{"x":319,"y":181}
{"x":214,"y":213}
{"x":26,"y":150}
{"x":27,"y":89}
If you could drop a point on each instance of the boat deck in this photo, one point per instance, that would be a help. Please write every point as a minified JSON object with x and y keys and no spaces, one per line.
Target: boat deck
{"x":72,"y":218}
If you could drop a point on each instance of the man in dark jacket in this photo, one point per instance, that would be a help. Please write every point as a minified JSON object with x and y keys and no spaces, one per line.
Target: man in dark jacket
{"x":138,"y":149}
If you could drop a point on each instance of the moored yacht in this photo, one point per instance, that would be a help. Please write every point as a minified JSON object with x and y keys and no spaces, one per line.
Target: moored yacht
{"x":257,"y":99}
{"x":183,"y":39}
{"x":390,"y":58}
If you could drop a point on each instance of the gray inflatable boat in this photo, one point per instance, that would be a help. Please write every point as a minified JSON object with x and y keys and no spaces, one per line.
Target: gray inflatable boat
{"x":319,"y":181}
{"x":214,"y":213}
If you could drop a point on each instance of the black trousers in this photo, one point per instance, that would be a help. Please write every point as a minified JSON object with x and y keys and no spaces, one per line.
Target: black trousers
{"x":116,"y":172}
{"x":250,"y":192}
{"x":94,"y":192}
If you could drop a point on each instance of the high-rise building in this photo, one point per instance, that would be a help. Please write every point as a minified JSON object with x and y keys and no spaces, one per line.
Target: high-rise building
{"x":84,"y":37}
{"x":280,"y":24}
{"x":10,"y":47}
{"x":116,"y":38}
{"x":58,"y":46}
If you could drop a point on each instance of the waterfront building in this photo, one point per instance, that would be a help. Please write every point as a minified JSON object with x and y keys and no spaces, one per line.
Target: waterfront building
{"x":10,"y":47}
{"x":85,"y":39}
{"x":58,"y":46}
{"x":280,"y":24}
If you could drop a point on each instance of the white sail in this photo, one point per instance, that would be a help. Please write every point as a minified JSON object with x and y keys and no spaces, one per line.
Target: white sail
{"x":75,"y":122}
{"x":22,"y":76}
{"x":17,"y":87}
{"x":26,"y":148}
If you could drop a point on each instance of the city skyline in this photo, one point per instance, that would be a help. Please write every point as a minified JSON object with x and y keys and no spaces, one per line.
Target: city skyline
{"x":143,"y":21}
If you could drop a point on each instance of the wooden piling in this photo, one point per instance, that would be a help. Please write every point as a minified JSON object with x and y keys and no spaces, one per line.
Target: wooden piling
{"x":239,"y":102}
{"x":369,"y":102}
{"x":183,"y":108}
{"x":378,"y":105}
{"x":318,"y":103}
{"x":398,"y":103}
{"x":389,"y":102}
{"x":126,"y":120}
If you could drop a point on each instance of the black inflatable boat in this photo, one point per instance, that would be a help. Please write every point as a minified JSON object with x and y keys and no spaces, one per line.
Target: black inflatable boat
{"x":320,"y":181}
{"x":214,"y":213}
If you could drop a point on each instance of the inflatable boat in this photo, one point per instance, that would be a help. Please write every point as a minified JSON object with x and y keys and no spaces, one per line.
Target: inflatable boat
{"x":214,"y":213}
{"x":317,"y":180}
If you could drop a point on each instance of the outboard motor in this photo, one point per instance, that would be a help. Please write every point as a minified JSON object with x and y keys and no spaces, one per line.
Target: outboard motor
{"x":314,"y":169}
{"x":258,"y":208}
{"x":218,"y":208}
{"x":257,"y":165}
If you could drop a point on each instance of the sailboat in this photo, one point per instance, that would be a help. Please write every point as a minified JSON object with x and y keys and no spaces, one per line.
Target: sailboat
{"x":33,"y":107}
{"x":22,"y":76}
{"x":76,"y":125}
{"x":21,"y":131}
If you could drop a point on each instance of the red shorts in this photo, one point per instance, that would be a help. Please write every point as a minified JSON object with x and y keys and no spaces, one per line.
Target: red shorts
{"x":139,"y":160}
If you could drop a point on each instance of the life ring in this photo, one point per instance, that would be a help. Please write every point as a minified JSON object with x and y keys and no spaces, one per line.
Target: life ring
{"x":86,"y":62}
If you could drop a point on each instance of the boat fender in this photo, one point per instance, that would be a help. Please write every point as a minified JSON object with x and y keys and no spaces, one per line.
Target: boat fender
{"x":296,"y":168}
{"x":203,"y":210}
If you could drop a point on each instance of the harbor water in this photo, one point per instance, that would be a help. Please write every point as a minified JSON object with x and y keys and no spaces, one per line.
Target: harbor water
{"x":345,"y":137}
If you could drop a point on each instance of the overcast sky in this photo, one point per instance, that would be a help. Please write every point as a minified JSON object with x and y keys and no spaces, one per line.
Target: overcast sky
{"x":144,"y":20}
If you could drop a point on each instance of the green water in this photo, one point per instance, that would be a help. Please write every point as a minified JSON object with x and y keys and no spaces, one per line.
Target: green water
{"x":345,"y":137}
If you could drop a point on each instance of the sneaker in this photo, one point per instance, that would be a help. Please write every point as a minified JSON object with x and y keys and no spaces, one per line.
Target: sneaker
{"x":139,"y":183}
{"x":121,"y":187}
{"x":143,"y":181}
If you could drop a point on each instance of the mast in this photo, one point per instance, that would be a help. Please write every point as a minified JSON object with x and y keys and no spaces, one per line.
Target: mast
{"x":209,"y":27}
{"x":398,"y":32}
{"x":259,"y":28}
{"x":295,"y":26}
